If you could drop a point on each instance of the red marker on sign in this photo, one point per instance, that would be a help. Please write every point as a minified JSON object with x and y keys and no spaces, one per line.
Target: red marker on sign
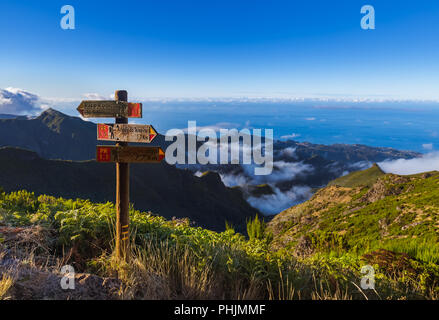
{"x":102,"y":131}
{"x":134,"y":110}
{"x":103,"y":154}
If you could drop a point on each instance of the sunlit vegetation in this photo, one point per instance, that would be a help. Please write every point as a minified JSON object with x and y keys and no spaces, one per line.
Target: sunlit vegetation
{"x":171,"y":259}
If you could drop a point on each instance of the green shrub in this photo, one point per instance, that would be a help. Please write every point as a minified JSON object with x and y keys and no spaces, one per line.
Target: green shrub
{"x":226,"y":264}
{"x":256,"y":228}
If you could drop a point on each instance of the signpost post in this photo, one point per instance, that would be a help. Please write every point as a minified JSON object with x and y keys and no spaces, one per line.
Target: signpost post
{"x":122,"y":192}
{"x":122,"y":154}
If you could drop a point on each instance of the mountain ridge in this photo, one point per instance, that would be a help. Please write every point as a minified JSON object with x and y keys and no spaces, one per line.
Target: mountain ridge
{"x":359,"y":178}
{"x":299,"y":168}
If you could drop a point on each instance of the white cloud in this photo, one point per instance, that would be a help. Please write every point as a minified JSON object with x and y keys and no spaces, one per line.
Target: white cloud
{"x":279,"y":201}
{"x":285,"y":171}
{"x":18,"y":101}
{"x":310,"y":119}
{"x":231,"y":180}
{"x":215,"y":127}
{"x":94,"y":96}
{"x":360,"y":165}
{"x":428,"y":162}
{"x":282,"y":170}
{"x":290,"y":136}
{"x":427,"y":146}
{"x":289,"y":151}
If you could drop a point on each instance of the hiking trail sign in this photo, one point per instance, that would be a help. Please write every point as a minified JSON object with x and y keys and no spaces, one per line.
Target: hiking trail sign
{"x":121,"y":132}
{"x":109,"y":109}
{"x":126,"y":132}
{"x":129,"y":154}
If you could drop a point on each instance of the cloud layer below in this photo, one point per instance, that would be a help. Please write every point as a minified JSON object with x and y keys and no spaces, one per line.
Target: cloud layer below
{"x":279,"y":201}
{"x":428,"y":162}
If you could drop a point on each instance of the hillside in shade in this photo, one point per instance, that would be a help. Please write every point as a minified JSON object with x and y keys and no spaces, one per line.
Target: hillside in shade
{"x":159,"y":188}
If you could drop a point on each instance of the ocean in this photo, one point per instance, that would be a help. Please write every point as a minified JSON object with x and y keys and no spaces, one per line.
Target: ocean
{"x":401,"y":125}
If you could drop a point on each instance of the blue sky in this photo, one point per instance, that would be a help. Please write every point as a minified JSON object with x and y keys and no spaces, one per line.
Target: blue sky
{"x":222,"y":49}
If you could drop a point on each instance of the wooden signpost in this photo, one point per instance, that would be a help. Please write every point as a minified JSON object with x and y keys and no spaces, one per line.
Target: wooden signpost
{"x":122,"y":154}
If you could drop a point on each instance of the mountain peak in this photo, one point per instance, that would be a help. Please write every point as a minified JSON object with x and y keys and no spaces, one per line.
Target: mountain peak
{"x":58,"y":122}
{"x":52,"y":113}
{"x":365,"y":177}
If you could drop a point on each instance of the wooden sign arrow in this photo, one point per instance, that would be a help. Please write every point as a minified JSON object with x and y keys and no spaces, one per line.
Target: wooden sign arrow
{"x":129,"y":154}
{"x":126,"y":132}
{"x":109,"y":109}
